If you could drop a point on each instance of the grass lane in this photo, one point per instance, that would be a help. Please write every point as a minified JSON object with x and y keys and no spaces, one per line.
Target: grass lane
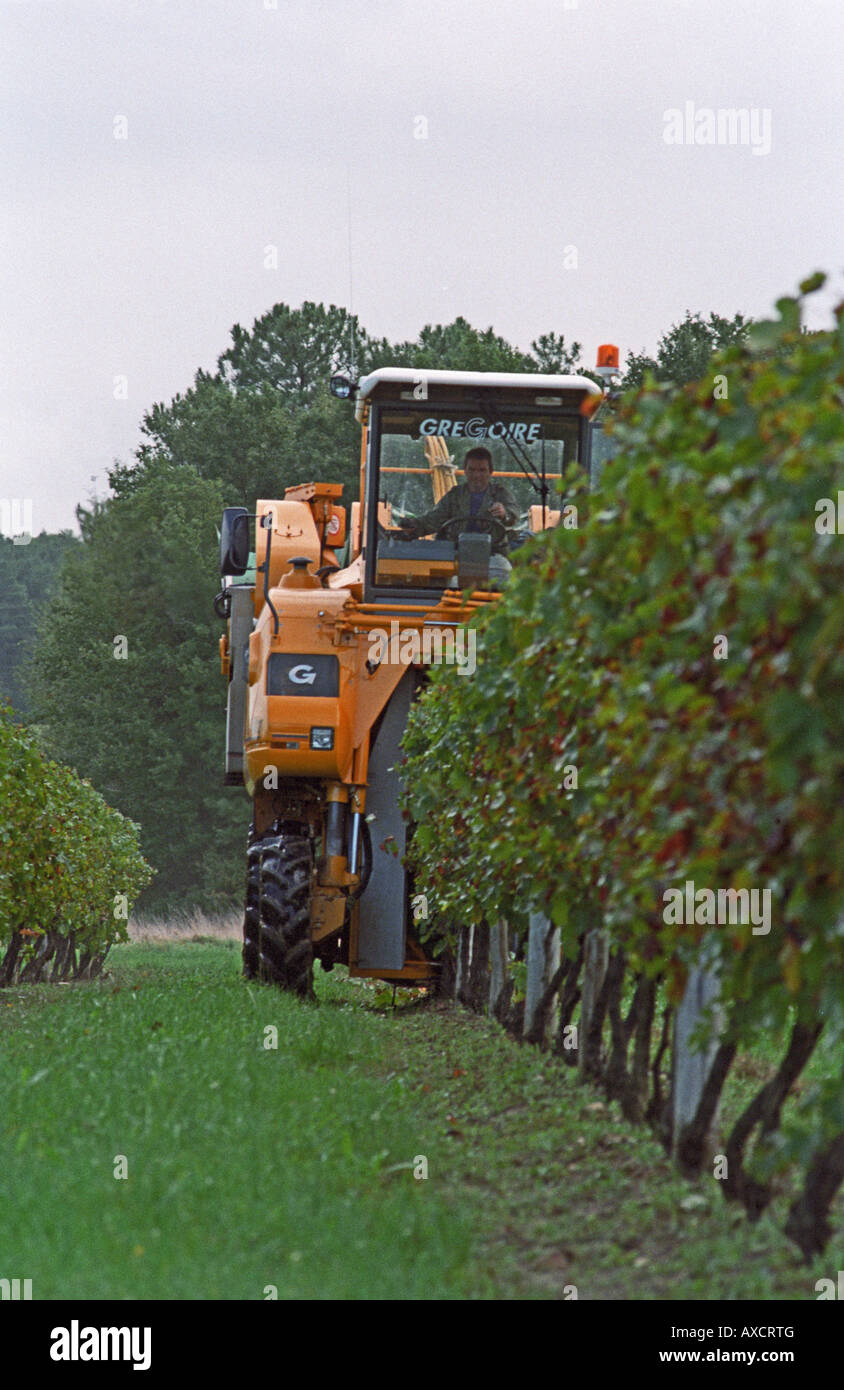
{"x":563,"y":1191}
{"x":247,"y":1167}
{"x":292,"y":1166}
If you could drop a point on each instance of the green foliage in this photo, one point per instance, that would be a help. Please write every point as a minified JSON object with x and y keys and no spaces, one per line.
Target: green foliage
{"x":458,"y":347}
{"x":551,"y":355}
{"x":144,"y":719}
{"x":253,"y":442}
{"x":684,"y":351}
{"x":601,"y":656}
{"x":29,"y":575}
{"x":265,"y":420}
{"x":291,"y":352}
{"x":66,"y":855}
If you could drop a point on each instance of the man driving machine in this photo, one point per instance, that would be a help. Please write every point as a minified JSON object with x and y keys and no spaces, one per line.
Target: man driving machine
{"x":475,"y":505}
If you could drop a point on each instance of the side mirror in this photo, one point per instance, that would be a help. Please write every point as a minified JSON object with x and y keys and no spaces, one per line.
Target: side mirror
{"x":234,"y":541}
{"x":341,"y":386}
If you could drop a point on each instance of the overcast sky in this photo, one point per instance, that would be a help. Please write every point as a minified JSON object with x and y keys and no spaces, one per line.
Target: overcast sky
{"x":480,"y":139}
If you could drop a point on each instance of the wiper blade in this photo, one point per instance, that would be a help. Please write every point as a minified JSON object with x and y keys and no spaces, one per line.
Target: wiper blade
{"x":535,"y":477}
{"x":530,"y":471}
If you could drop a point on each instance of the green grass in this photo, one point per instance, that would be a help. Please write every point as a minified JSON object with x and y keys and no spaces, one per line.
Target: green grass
{"x":292,"y":1167}
{"x":563,"y":1191}
{"x":247,"y":1167}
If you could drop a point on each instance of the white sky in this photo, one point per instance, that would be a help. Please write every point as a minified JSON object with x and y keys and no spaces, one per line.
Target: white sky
{"x":246,"y":122}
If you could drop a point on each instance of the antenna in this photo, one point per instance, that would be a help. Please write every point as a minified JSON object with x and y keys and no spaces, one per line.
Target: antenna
{"x":352,"y":363}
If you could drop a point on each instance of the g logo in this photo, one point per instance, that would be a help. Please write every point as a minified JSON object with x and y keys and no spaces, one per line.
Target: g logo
{"x":303,"y":675}
{"x":314,"y":676}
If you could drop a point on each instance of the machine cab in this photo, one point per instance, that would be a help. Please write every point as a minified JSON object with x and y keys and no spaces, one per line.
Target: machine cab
{"x":427,"y":523}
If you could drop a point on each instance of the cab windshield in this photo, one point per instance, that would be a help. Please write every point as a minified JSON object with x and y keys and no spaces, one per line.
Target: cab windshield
{"x":426,"y":500}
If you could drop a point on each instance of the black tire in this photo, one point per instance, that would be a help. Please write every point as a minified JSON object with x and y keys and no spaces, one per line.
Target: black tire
{"x":277,"y":927}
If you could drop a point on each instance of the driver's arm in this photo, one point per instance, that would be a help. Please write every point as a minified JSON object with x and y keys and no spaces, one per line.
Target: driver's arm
{"x":433,"y":519}
{"x":502,"y":494}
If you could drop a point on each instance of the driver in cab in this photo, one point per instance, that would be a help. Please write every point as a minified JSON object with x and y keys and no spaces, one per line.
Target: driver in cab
{"x":478,"y":500}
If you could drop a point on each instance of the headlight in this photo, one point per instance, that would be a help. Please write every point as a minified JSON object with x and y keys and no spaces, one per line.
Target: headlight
{"x":322,"y":739}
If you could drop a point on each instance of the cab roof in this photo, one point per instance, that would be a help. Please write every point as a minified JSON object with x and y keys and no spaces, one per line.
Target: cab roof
{"x":388,"y":381}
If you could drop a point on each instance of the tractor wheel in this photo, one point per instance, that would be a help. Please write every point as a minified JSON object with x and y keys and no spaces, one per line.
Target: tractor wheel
{"x":277,"y":927}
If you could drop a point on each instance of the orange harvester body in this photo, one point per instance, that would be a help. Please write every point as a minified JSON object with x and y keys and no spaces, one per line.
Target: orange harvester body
{"x":318,"y":698}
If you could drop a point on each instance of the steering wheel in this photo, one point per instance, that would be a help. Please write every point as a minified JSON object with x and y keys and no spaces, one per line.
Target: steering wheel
{"x":451,"y":529}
